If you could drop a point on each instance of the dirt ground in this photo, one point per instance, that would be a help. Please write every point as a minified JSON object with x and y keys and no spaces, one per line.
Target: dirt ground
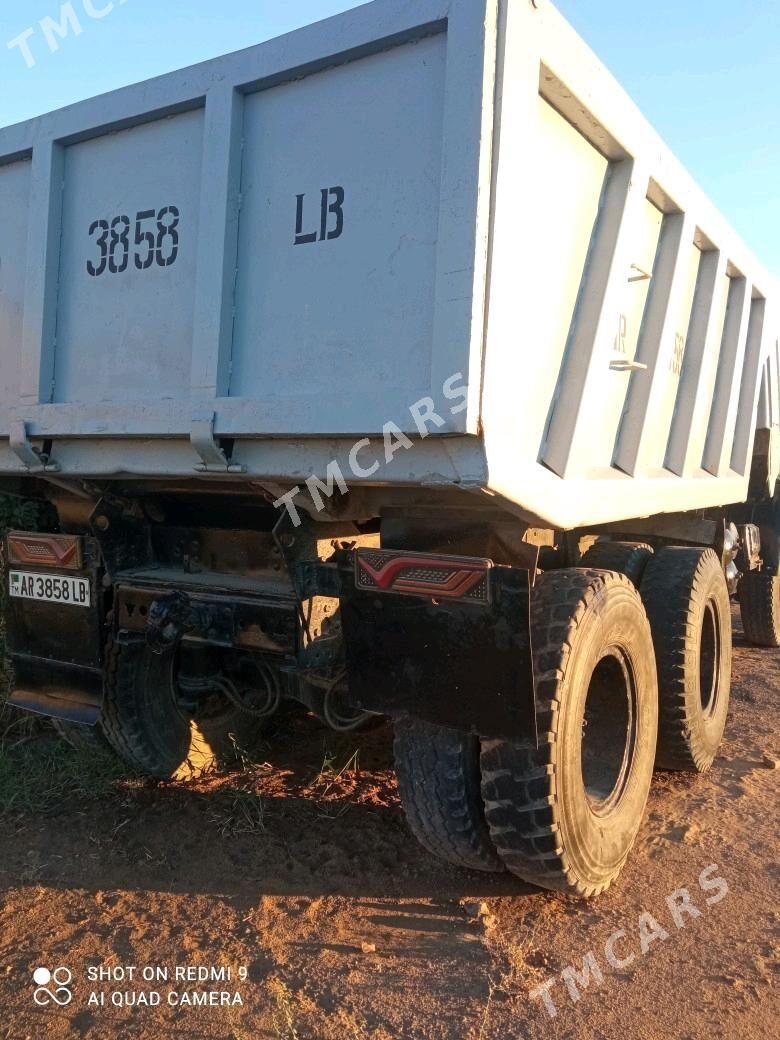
{"x":300,"y":871}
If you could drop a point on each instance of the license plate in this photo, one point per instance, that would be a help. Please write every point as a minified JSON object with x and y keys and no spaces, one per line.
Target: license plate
{"x":50,"y":588}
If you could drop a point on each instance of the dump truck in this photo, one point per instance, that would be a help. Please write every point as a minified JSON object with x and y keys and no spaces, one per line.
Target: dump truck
{"x":394,"y":367}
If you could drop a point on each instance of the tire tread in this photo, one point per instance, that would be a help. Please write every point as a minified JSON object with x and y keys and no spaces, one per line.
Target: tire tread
{"x":438,"y":777}
{"x":629,"y":558}
{"x":672,"y":585}
{"x":519,"y":779}
{"x":122,"y":723}
{"x":759,"y":601}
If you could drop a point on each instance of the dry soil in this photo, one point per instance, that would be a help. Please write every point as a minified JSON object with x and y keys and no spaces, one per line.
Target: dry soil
{"x":300,"y":871}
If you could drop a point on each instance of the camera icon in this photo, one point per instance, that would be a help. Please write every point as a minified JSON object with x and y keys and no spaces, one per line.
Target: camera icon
{"x":61,"y":993}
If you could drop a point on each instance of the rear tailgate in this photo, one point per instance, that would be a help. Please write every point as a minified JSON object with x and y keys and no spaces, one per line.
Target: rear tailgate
{"x":287,"y":241}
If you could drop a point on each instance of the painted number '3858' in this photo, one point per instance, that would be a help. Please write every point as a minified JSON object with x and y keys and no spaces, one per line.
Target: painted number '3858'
{"x":155,"y":241}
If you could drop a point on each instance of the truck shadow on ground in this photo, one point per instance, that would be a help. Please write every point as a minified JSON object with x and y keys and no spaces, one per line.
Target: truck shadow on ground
{"x":301,"y":867}
{"x":313,"y":814}
{"x":318,"y":816}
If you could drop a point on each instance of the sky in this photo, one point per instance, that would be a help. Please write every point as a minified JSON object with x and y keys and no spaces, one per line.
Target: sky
{"x":706,"y":73}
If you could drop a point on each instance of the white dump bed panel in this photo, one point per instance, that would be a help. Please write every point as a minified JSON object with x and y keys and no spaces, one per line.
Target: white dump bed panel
{"x":282,"y":251}
{"x":291,"y":238}
{"x":628,"y":325}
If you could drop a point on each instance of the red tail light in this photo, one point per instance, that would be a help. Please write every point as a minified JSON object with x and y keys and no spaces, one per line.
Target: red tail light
{"x":420,"y":574}
{"x":61,"y":551}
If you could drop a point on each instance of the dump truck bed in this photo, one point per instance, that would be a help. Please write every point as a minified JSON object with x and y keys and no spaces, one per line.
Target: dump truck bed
{"x":241,"y":269}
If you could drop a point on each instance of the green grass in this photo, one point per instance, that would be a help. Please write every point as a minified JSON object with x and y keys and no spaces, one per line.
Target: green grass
{"x":40,"y":776}
{"x":239,"y":812}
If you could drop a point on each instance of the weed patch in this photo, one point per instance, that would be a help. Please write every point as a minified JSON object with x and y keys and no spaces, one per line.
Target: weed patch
{"x":42,"y":775}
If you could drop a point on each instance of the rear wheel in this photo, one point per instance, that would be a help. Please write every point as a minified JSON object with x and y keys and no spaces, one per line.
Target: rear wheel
{"x":146,"y":723}
{"x":759,"y":601}
{"x":629,"y":558}
{"x":439,"y":783}
{"x":565,"y":814}
{"x":687,"y":601}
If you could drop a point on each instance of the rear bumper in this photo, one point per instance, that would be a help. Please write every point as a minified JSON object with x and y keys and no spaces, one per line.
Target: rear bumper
{"x":443,"y":639}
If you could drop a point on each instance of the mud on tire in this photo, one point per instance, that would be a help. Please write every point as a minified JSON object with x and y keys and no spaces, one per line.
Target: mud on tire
{"x":439,"y":782}
{"x":565,"y":814}
{"x":147,"y":728}
{"x":687,"y":600}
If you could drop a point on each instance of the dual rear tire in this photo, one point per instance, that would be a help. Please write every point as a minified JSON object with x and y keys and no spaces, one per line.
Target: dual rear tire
{"x":687,"y":600}
{"x":688,"y":604}
{"x":564,"y":814}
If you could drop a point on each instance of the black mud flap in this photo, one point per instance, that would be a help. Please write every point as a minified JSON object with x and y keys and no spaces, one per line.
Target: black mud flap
{"x":58,"y":691}
{"x":56,"y":648}
{"x":454,"y":648}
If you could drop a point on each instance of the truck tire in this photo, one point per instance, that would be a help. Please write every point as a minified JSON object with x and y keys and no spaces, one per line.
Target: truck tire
{"x":147,"y":728}
{"x":564,"y":814}
{"x":687,"y":600}
{"x":629,"y":558}
{"x":81,"y":738}
{"x":439,"y":783}
{"x":759,"y":603}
